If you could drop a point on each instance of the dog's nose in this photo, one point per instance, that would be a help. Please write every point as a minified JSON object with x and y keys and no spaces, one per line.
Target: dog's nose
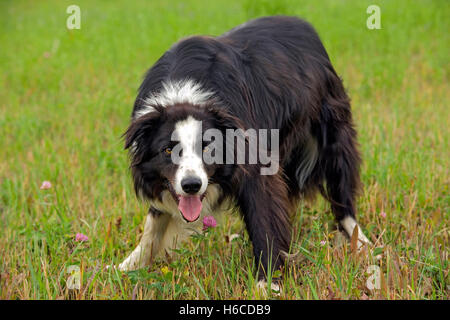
{"x":191,"y":185}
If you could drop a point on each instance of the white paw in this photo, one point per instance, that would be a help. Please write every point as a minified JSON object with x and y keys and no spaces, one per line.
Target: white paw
{"x":110,"y":266}
{"x":121,"y":267}
{"x":263,"y":287}
{"x":124,"y":266}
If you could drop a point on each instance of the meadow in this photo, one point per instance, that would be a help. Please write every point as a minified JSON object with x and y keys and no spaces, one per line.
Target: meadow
{"x":66,"y":98}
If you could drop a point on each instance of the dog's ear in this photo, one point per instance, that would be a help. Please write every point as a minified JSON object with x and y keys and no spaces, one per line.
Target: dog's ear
{"x":141,"y":127}
{"x":223,"y":119}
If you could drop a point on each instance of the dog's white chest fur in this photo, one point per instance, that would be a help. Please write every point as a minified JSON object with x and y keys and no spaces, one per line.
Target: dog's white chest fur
{"x":167,"y":230}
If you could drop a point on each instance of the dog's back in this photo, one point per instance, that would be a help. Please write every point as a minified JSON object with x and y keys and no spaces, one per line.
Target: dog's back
{"x":262,"y":65}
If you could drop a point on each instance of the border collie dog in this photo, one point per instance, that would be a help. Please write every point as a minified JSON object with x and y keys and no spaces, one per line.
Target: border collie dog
{"x":269,"y":74}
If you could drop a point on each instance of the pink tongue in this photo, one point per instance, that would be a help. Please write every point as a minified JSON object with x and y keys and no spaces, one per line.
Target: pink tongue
{"x":190,"y":207}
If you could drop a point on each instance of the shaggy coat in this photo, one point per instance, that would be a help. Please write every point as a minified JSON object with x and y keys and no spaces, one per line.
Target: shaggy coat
{"x":269,"y":73}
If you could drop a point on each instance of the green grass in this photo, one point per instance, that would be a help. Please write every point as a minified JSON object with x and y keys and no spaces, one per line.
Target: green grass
{"x":65,"y":100}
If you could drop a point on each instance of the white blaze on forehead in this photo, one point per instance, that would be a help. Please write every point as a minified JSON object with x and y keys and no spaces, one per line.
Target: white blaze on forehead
{"x":189,"y":134}
{"x":174,"y":92}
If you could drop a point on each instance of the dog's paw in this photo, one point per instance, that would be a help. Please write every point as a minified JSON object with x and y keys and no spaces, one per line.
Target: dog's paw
{"x":121,"y":267}
{"x":263,"y":288}
{"x":125,"y":266}
{"x":110,"y":267}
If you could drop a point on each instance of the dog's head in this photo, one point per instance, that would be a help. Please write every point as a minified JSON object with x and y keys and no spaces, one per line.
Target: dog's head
{"x":171,"y":152}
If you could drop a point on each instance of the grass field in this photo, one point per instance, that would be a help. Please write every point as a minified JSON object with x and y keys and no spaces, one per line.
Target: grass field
{"x":65,"y":100}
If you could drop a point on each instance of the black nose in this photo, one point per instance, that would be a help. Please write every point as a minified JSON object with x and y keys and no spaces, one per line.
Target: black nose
{"x":191,"y":185}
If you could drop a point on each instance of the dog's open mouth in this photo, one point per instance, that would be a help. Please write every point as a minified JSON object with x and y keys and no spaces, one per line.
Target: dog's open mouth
{"x":189,"y":206}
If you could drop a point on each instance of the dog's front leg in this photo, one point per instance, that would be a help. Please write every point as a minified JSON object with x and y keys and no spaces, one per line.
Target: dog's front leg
{"x":263,"y":201}
{"x":150,"y":244}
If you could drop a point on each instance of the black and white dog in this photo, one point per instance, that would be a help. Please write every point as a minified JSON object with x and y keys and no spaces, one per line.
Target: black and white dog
{"x":271,"y":73}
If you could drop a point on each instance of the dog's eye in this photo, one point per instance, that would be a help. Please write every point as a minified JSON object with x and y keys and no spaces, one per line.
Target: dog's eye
{"x":168,"y":151}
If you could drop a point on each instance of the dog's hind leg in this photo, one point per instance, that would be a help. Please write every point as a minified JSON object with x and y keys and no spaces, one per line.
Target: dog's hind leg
{"x":340,"y":161}
{"x":348,"y":224}
{"x":150,"y":244}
